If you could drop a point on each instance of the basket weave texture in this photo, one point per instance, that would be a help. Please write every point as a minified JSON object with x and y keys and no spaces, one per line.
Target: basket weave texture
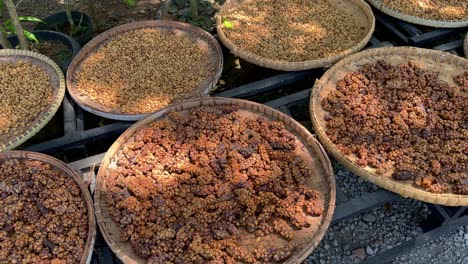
{"x":198,"y":35}
{"x":57,"y":83}
{"x":89,"y":246}
{"x":430,"y":59}
{"x":308,"y":148}
{"x":380,"y":5}
{"x":360,"y":8}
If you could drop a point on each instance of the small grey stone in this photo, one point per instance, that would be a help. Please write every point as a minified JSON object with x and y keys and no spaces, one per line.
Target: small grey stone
{"x":322,"y":261}
{"x":346,"y":247}
{"x":368,"y":218}
{"x":363,"y":225}
{"x":369,"y":250}
{"x":326,"y":246}
{"x":466,"y":236}
{"x":393,"y":218}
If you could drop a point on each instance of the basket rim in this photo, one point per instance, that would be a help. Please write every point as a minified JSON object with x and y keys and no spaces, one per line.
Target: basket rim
{"x":299,"y":65}
{"x":403,"y":189}
{"x":93,"y":45}
{"x":60,"y":165}
{"x":46,"y":115}
{"x":293,"y":125}
{"x":380,"y":5}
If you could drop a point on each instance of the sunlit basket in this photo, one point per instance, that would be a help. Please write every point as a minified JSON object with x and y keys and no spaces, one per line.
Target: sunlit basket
{"x":198,"y":35}
{"x":380,"y":5}
{"x":309,"y":149}
{"x":57,"y":83}
{"x":360,"y":9}
{"x":430,"y":59}
{"x":57,"y":164}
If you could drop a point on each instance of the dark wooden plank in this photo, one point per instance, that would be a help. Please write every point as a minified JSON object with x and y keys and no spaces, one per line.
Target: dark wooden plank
{"x":431,"y":36}
{"x":389,"y":255}
{"x":288,"y":99}
{"x":394,"y":32}
{"x":285,"y":110}
{"x":340,"y":196}
{"x":87,"y":162}
{"x":60,"y":144}
{"x":265,"y":85}
{"x":69,"y":115}
{"x":450,"y":45}
{"x":408,"y":27}
{"x":355,"y":206}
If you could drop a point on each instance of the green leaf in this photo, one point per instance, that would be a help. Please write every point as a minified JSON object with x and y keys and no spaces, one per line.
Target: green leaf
{"x":185,"y":12}
{"x":9,"y":28}
{"x":181,"y":3}
{"x":173,"y":8}
{"x":30,"y":19}
{"x":2,"y":6}
{"x":227,"y":23}
{"x":30,"y":36}
{"x":130,"y":3}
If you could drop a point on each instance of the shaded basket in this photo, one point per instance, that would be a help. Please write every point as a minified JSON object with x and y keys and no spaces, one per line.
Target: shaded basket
{"x":57,"y":83}
{"x":88,"y":250}
{"x":360,"y":8}
{"x":308,"y":148}
{"x":429,"y":59}
{"x":380,"y":5}
{"x":200,"y":36}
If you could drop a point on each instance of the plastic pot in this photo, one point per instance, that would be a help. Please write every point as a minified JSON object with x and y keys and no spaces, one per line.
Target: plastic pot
{"x":47,"y":35}
{"x":58,"y":22}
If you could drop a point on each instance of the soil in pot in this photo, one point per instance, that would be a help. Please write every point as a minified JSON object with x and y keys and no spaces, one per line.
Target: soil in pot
{"x":180,"y":10}
{"x":79,"y":33}
{"x":56,"y":50}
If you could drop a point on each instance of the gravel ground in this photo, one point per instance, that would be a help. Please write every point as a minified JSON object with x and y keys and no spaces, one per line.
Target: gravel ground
{"x":382,"y":228}
{"x":350,"y":184}
{"x":449,"y":249}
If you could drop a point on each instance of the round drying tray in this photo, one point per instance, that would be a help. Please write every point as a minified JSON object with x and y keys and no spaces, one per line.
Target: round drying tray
{"x":199,"y":36}
{"x":89,"y":246}
{"x":311,"y":151}
{"x":430,"y":59}
{"x":380,"y":5}
{"x":361,"y":10}
{"x":57,"y":83}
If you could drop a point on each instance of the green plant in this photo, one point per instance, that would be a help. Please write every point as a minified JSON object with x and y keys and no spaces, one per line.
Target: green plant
{"x":196,"y":12}
{"x":130,"y":3}
{"x":13,"y":25}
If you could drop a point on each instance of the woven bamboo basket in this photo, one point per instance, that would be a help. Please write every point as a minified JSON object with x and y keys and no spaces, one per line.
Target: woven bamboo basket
{"x":88,"y":250}
{"x":199,"y":36}
{"x":429,"y":59}
{"x":360,"y":8}
{"x":57,"y":83}
{"x":380,"y":5}
{"x":308,"y":148}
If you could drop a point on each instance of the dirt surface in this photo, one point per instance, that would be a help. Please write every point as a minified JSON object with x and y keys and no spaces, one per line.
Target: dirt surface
{"x":105,"y":13}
